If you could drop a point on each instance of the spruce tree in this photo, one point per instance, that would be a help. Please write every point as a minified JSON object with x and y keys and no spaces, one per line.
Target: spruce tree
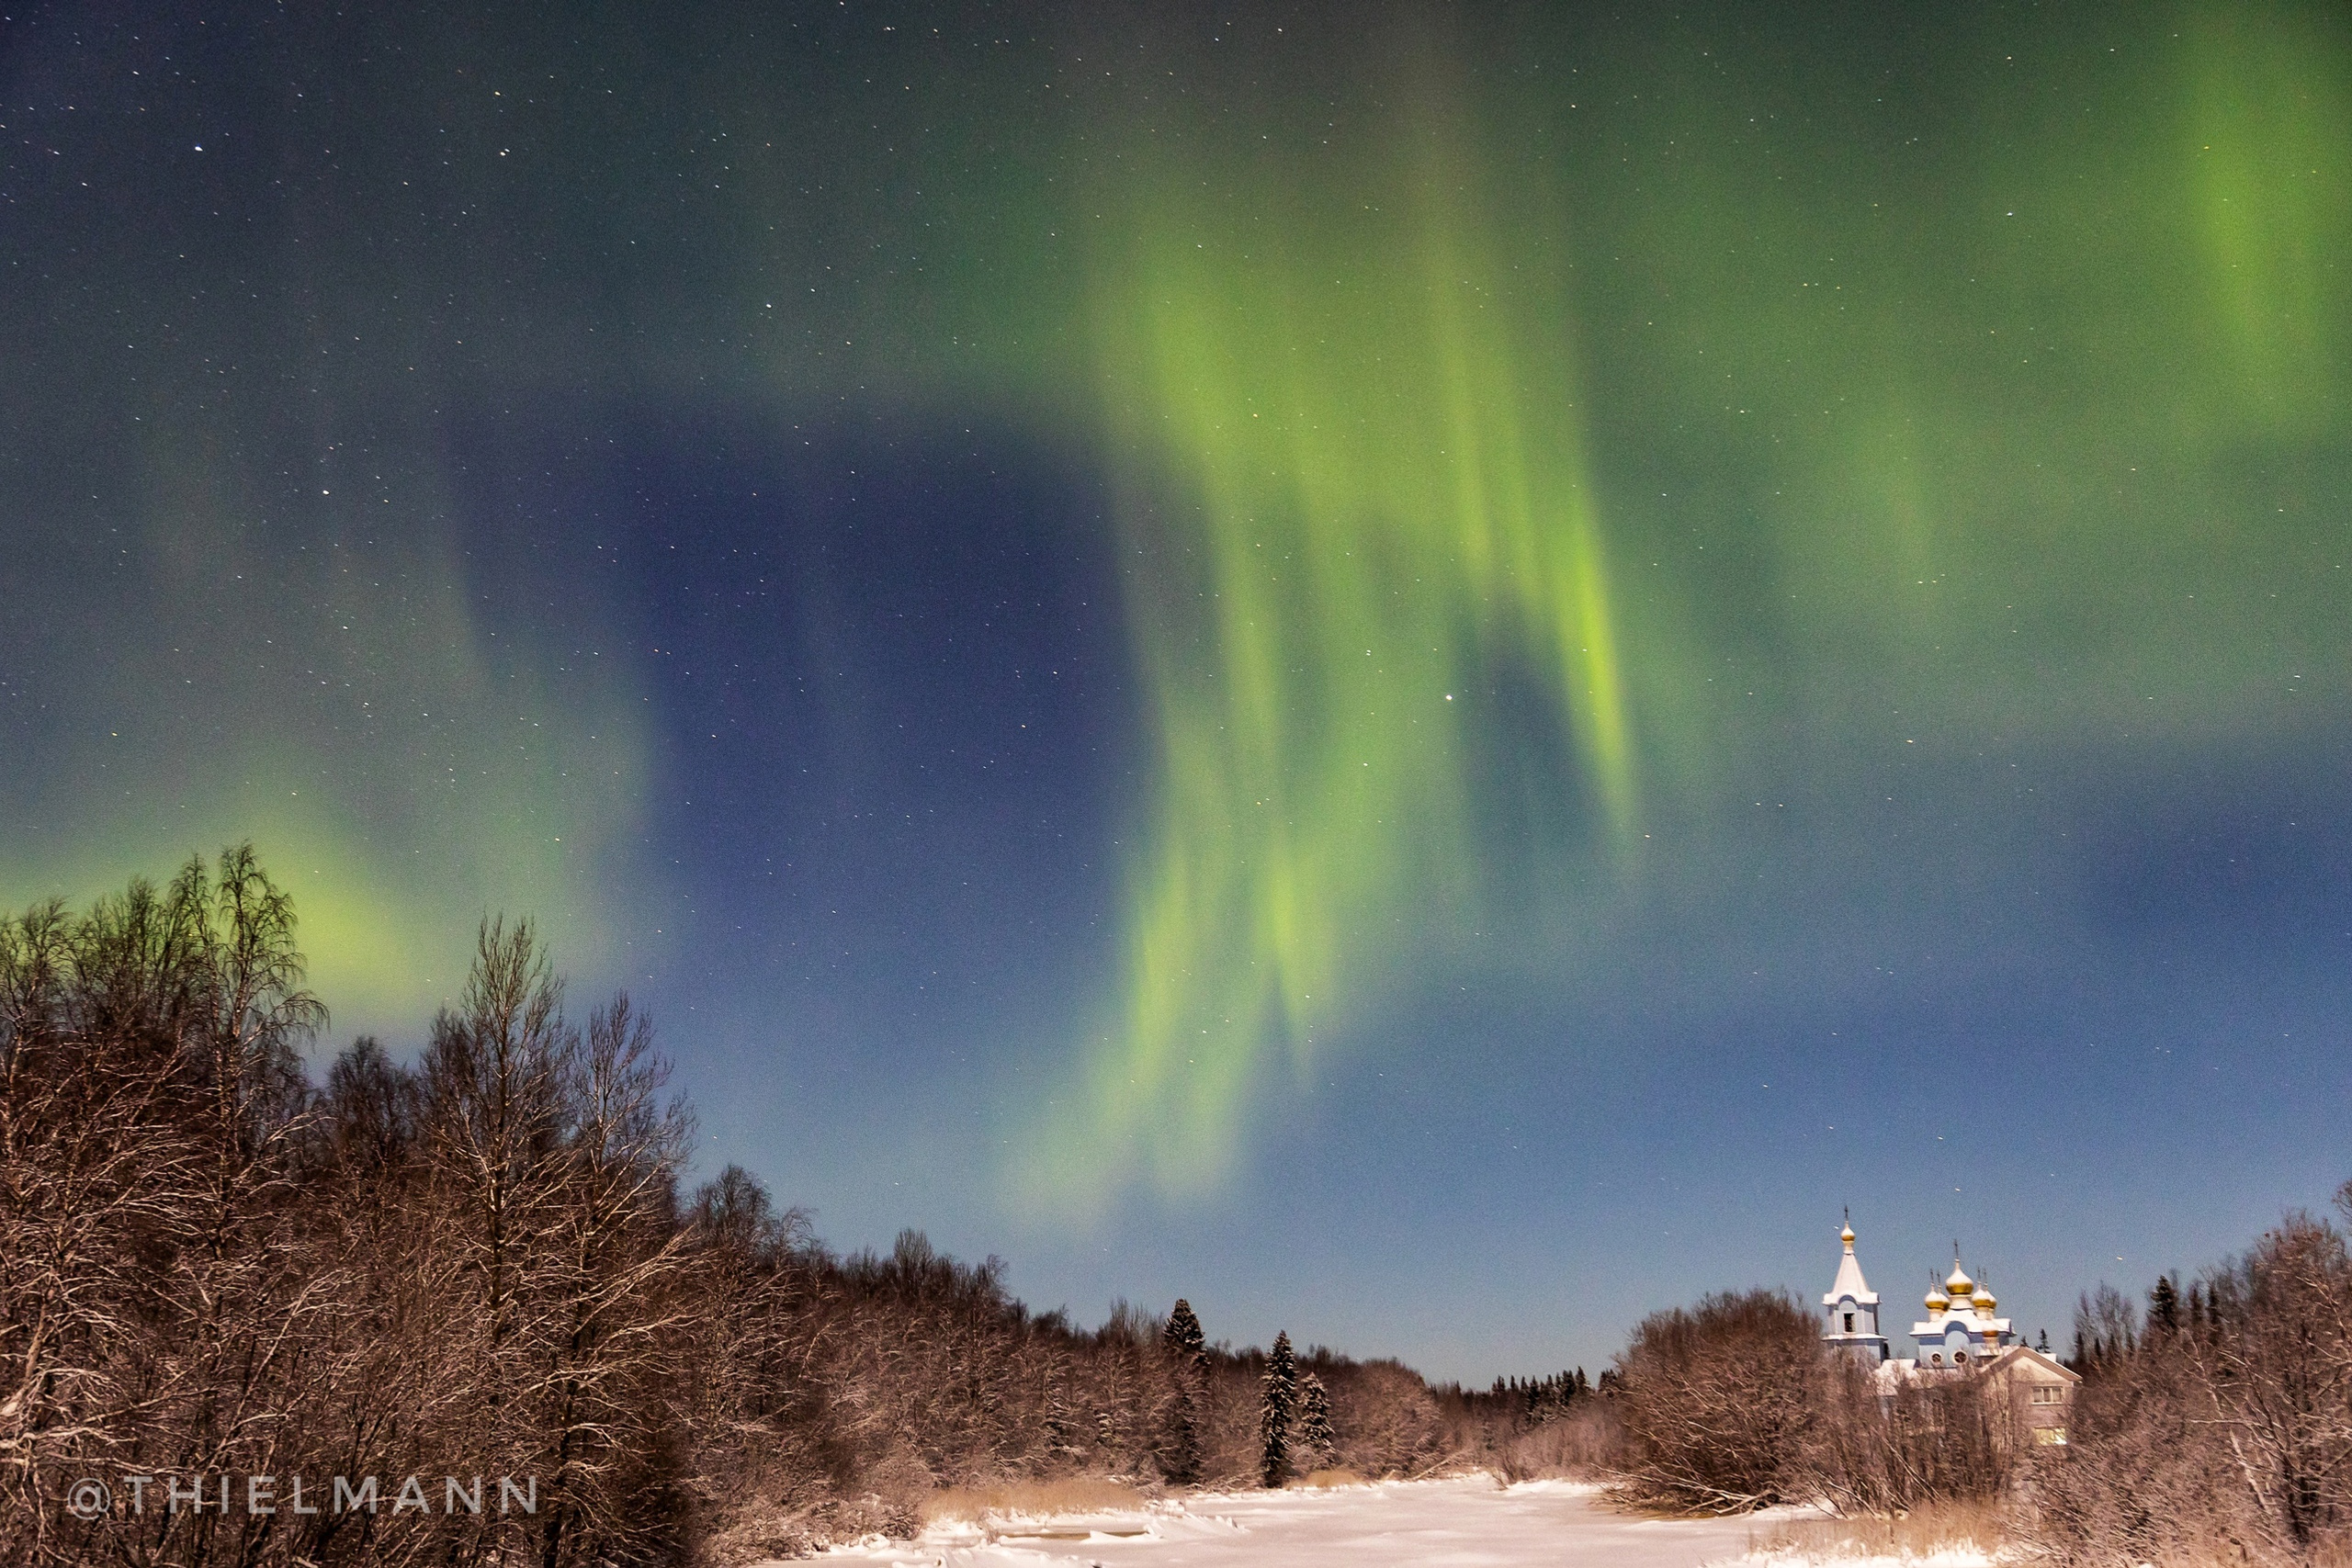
{"x":2163,"y":1308}
{"x":1183,"y":1339}
{"x":1180,"y":1433}
{"x":1317,"y":1443}
{"x":1278,"y":1398}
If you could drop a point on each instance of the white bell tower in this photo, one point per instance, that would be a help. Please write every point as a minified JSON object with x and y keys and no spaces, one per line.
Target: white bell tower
{"x":1852,"y":1308}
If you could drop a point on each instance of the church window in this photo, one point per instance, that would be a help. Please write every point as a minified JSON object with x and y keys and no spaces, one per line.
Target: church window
{"x":1850,"y":1323}
{"x":1937,"y":1359}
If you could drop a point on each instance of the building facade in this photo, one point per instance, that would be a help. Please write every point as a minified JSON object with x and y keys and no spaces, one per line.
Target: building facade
{"x":1961,"y":1335}
{"x":1960,"y":1327}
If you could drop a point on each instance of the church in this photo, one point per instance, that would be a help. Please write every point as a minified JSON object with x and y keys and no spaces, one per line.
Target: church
{"x":1960,"y":1334}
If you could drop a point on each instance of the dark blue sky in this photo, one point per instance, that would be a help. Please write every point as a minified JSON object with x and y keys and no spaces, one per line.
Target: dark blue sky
{"x":1435,"y":683}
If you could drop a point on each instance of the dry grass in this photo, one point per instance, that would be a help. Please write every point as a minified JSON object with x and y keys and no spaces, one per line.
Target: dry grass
{"x":1323,"y":1479}
{"x":1032,"y":1499}
{"x":1975,"y":1526}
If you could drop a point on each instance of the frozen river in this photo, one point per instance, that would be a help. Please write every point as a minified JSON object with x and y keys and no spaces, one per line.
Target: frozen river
{"x":1466,"y":1522}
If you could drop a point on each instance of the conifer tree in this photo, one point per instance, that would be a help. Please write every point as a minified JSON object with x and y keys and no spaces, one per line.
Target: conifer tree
{"x":1183,"y":1339}
{"x":2163,"y":1307}
{"x":1180,"y":1433}
{"x":1278,"y":1399}
{"x":1318,"y":1444}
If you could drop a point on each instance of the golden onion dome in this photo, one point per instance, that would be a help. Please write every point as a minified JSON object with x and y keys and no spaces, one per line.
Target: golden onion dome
{"x":1958,"y":1283}
{"x":1937,"y":1300}
{"x":1846,"y":1236}
{"x":1982,"y":1300}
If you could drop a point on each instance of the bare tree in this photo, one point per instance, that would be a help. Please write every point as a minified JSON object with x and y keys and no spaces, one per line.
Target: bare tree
{"x":1717,"y":1401}
{"x":481,"y":1264}
{"x":619,"y":1300}
{"x":1877,"y":1444}
{"x":2276,"y":1366}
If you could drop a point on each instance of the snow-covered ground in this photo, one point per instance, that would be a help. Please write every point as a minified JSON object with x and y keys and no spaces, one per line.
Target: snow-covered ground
{"x":1466,"y":1522}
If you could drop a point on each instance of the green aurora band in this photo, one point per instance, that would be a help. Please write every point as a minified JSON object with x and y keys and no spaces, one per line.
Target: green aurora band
{"x":1373,"y":414}
{"x":1351,"y":422}
{"x":1765,"y":409}
{"x":401,"y":771}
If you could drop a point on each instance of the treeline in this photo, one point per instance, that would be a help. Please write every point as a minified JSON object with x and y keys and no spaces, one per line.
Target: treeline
{"x":2214,"y":1426}
{"x":484,"y":1266}
{"x":2217,"y":1424}
{"x":1534,"y":1401}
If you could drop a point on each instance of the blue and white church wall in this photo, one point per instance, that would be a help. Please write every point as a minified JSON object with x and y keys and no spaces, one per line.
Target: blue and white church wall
{"x":1960,"y":1328}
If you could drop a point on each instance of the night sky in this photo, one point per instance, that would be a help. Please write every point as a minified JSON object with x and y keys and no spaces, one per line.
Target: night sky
{"x":1434,"y":676}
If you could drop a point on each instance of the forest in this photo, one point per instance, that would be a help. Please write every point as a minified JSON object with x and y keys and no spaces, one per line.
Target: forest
{"x":481,"y":1276}
{"x":485,"y":1269}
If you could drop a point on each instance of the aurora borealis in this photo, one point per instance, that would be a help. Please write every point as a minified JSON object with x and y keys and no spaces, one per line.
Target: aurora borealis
{"x":1531,"y":627}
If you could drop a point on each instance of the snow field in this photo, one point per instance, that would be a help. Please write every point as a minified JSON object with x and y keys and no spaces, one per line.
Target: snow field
{"x":1461,"y":1522}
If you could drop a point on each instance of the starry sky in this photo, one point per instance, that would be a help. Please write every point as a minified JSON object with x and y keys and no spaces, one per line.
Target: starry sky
{"x":1434,"y":675}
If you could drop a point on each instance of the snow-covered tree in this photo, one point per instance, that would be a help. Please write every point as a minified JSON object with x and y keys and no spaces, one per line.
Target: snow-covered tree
{"x":1186,"y":1348}
{"x":1278,"y":1400}
{"x":1317,"y":1442}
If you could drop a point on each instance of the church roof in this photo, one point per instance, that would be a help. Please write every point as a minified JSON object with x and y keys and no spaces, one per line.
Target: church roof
{"x":1976,"y":1325}
{"x":1850,"y":1277}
